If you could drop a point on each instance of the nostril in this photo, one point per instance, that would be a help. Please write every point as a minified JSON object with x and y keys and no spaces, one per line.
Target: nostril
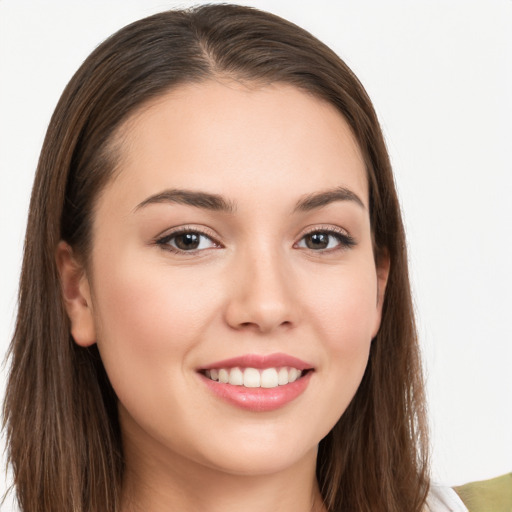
{"x":263,"y":326}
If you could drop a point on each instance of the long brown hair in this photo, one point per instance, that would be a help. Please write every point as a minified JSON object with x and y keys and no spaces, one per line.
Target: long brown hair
{"x":60,"y":412}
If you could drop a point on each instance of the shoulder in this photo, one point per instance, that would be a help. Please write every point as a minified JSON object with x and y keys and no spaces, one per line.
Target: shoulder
{"x":489,"y":495}
{"x":444,"y":499}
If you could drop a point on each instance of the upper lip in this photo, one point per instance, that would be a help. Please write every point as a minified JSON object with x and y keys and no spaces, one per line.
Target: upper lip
{"x":260,"y":362}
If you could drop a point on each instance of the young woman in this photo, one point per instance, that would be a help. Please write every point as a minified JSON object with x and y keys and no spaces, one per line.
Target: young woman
{"x":214,"y":308}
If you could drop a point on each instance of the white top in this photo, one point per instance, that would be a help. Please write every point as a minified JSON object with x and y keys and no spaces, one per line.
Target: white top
{"x":444,"y":499}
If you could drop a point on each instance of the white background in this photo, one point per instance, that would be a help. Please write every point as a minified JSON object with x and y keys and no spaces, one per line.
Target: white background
{"x":440,"y":75}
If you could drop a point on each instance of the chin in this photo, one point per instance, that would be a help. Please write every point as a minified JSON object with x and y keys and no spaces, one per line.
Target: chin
{"x":261,"y":462}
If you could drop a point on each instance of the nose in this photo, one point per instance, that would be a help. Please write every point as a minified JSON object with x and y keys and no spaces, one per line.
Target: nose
{"x":262,"y":297}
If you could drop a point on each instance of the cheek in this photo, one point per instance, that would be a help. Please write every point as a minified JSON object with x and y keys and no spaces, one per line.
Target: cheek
{"x":345,"y":307}
{"x":345,"y":316}
{"x":145,"y":319}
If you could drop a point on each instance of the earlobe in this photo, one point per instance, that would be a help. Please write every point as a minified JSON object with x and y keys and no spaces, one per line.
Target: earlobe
{"x":76,"y":294}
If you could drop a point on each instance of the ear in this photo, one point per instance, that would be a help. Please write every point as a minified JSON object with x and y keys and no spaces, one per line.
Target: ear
{"x":77,"y":295}
{"x":382,"y":266}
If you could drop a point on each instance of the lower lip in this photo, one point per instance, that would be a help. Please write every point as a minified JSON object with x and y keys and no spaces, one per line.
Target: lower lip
{"x":259,"y":399}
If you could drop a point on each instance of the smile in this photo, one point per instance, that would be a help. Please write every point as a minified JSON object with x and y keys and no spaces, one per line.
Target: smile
{"x":254,"y":377}
{"x":258,"y":383}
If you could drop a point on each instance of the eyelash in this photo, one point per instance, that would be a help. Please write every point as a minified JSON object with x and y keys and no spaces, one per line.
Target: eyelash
{"x":345,"y":241}
{"x":163,"y":242}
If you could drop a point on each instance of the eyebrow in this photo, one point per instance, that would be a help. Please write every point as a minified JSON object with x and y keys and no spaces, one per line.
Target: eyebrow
{"x":198,"y":199}
{"x":320,"y":199}
{"x":216,"y":202}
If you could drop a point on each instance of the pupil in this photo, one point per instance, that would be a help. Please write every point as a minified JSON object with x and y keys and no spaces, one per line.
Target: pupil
{"x":187,"y":241}
{"x":317,"y":241}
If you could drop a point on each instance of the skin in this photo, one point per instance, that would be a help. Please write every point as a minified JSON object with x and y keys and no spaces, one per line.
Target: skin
{"x":252,"y":287}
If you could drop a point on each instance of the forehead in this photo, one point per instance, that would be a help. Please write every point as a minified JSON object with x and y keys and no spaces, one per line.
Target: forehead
{"x":226,"y":137}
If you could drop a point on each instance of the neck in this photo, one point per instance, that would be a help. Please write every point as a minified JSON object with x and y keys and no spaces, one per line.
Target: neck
{"x":224,"y":493}
{"x":159,"y":481}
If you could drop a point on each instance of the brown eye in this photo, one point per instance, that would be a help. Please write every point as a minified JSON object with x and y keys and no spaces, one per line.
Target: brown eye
{"x":317,"y":240}
{"x":187,"y":241}
{"x":326,"y":240}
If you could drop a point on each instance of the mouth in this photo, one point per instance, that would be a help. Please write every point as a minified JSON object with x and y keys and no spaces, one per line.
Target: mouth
{"x":258,"y":383}
{"x":255,"y":377}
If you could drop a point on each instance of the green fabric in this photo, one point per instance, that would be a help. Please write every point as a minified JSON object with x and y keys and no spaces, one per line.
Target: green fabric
{"x":488,"y":496}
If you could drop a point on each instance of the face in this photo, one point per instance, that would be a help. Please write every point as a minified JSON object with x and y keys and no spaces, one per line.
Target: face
{"x":232,"y":289}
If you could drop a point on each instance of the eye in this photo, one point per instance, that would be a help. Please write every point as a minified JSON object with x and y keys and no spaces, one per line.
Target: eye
{"x":325,"y":240}
{"x":187,"y":241}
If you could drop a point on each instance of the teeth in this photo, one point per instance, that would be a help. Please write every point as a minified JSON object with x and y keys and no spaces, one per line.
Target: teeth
{"x":223,"y":376}
{"x":236,"y":377}
{"x":282,"y":376}
{"x":269,"y":378}
{"x":254,"y":378}
{"x":293,"y":374}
